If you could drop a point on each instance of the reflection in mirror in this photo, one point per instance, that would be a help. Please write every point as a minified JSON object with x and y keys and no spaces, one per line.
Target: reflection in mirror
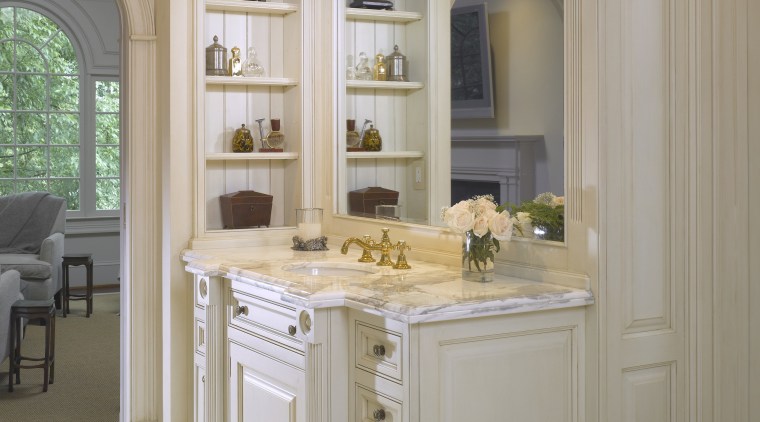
{"x":517,"y":156}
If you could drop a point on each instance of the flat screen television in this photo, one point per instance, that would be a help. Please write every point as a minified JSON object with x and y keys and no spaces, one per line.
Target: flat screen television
{"x":471,"y":79}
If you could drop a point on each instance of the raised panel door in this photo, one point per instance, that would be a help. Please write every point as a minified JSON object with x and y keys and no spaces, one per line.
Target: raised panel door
{"x":264,"y":389}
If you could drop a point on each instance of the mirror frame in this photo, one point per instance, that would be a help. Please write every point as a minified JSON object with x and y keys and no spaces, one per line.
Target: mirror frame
{"x":558,"y":262}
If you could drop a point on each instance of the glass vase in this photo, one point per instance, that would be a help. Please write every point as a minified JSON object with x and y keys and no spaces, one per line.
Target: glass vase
{"x":477,"y":257}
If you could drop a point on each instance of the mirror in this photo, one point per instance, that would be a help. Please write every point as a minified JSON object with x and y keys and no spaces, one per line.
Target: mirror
{"x":515,"y":155}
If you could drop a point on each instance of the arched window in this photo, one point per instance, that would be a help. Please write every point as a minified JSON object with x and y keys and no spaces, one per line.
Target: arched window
{"x":45,"y":112}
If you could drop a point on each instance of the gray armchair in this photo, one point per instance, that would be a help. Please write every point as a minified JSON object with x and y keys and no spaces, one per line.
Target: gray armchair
{"x":10,"y":291}
{"x":32,"y":226}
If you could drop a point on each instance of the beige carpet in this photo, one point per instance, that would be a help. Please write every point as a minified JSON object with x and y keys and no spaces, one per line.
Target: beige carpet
{"x":86,"y":384}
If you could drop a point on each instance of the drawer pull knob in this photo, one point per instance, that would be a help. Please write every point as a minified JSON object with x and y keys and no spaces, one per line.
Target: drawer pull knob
{"x":378,"y":350}
{"x":292,"y":330}
{"x":242,"y":309}
{"x":379,"y":414}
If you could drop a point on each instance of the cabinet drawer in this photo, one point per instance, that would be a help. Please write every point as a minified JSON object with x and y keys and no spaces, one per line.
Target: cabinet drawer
{"x":379,"y":351}
{"x":372,"y":406}
{"x":263,"y":316}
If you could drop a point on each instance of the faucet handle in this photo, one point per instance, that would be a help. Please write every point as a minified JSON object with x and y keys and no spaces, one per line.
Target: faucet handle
{"x":401,"y":263}
{"x":385,"y":237}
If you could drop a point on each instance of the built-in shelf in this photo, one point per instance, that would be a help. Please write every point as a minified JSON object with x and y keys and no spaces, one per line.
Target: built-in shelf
{"x":247,"y":156}
{"x":383,"y":84}
{"x":242,"y":80}
{"x":251,"y":7}
{"x":382,"y":15}
{"x":384,"y":154}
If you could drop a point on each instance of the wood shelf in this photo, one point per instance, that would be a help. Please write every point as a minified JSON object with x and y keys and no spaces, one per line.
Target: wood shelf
{"x":383,"y":85}
{"x":248,"y":156}
{"x":384,"y":154}
{"x":251,"y":7}
{"x":243,"y":80}
{"x":382,"y":15}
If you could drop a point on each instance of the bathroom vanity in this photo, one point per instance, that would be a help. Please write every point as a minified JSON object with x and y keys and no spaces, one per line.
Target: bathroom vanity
{"x":283,"y":335}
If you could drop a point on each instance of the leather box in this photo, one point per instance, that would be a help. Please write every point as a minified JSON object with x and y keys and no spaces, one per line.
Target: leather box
{"x":363,"y":201}
{"x":245,"y":209}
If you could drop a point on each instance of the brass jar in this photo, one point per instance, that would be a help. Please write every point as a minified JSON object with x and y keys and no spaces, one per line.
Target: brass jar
{"x":242,"y":141}
{"x":372,"y":140}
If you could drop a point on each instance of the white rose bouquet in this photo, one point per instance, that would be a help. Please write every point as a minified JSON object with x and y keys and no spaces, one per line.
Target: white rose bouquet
{"x":484,"y":223}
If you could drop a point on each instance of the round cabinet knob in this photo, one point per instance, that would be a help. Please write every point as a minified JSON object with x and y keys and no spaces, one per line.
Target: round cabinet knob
{"x":203,"y":378}
{"x":242,"y":309}
{"x":379,"y":414}
{"x":292,"y":330}
{"x":378,"y":350}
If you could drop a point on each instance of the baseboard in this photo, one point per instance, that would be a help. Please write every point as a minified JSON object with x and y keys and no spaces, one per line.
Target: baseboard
{"x":100,"y":288}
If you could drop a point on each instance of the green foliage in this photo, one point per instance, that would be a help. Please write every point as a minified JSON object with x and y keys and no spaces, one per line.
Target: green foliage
{"x":107,"y":96}
{"x":545,"y":216}
{"x":39,"y":113}
{"x":31,"y":92}
{"x":108,"y":195}
{"x":481,"y":250}
{"x":64,"y":93}
{"x":107,"y":129}
{"x":64,"y":128}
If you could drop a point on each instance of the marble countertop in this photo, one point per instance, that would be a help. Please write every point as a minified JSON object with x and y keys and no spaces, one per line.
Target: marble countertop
{"x":426,"y":292}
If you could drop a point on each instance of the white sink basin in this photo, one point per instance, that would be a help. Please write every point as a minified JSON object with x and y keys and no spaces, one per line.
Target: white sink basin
{"x":330,"y":269}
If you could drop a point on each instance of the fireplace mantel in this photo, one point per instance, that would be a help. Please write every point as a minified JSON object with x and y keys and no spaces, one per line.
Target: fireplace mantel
{"x":504,"y":159}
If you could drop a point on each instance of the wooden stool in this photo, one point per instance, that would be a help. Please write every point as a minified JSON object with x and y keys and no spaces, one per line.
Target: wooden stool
{"x":43,"y":310}
{"x":74,"y":260}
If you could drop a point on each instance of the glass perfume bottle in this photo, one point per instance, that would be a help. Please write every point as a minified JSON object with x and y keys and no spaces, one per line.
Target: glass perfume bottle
{"x":275,"y":139}
{"x":352,"y":136}
{"x":372,"y":140}
{"x":380,"y":72}
{"x":363,"y":71}
{"x":236,"y":64}
{"x":242,"y":141}
{"x":252,"y":66}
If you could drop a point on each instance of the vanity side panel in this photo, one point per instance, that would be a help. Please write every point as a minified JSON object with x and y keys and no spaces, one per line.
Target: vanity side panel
{"x":525,"y":367}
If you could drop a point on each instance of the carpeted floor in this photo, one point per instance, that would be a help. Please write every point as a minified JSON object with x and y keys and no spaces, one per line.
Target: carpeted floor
{"x":86,"y":384}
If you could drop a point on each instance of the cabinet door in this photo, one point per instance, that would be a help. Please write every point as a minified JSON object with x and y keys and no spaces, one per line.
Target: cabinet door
{"x":525,"y":368}
{"x":200,"y":394}
{"x":263,"y":389}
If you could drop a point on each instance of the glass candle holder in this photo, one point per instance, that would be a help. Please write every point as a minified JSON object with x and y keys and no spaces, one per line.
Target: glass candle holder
{"x":309,"y":221}
{"x":388,"y":212}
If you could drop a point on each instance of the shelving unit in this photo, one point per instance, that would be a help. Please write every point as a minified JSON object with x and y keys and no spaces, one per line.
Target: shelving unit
{"x":384,"y":154}
{"x":248,"y":156}
{"x":242,"y":80}
{"x":248,"y":6}
{"x":384,"y":85}
{"x":399,"y":110}
{"x":274,"y":30}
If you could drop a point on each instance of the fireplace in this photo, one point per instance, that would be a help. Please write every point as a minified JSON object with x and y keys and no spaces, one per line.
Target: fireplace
{"x":502,"y":166}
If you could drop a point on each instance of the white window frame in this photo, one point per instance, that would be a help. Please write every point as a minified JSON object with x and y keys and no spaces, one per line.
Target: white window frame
{"x":103,"y":220}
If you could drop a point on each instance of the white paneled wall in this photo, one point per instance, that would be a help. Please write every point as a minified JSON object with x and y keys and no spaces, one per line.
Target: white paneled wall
{"x":646,"y":165}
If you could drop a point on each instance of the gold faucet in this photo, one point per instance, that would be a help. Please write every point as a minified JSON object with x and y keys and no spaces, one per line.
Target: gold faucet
{"x":385,"y":246}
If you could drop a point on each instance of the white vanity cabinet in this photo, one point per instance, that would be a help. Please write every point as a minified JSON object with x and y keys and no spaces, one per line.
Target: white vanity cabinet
{"x":267,"y":379}
{"x":522,"y":367}
{"x":336,"y":350}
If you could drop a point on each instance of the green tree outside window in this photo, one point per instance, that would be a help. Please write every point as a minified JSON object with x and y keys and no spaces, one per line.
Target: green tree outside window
{"x":41,"y":116}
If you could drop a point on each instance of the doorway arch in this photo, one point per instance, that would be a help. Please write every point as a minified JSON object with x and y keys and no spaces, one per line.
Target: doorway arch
{"x":140,"y":372}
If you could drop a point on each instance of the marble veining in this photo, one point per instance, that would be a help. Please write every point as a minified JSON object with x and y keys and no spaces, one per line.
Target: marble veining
{"x":427,"y":292}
